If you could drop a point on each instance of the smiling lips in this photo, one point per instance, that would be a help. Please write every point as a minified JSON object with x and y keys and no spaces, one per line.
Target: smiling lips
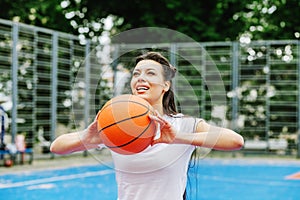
{"x":142,"y":88}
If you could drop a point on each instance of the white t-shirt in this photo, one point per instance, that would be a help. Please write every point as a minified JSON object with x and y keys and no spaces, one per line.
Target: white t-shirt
{"x":160,"y":171}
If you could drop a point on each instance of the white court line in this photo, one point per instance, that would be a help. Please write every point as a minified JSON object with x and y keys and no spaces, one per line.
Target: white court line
{"x":254,"y":181}
{"x":55,"y":179}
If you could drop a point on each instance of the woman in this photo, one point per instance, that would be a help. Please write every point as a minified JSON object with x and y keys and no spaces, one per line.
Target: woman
{"x":160,"y":171}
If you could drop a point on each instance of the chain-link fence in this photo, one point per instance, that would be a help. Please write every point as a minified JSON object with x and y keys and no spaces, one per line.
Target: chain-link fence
{"x":57,"y":85}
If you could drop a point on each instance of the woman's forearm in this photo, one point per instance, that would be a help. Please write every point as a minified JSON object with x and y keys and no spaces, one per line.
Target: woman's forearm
{"x":219,"y":139}
{"x":77,"y":141}
{"x":69,"y":143}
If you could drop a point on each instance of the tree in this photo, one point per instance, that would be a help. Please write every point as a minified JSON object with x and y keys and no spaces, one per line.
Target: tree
{"x":203,"y":21}
{"x":271,"y":20}
{"x":215,"y":20}
{"x":44,"y":13}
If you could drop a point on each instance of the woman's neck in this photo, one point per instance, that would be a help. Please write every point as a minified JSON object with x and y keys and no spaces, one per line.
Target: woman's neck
{"x":158,"y":108}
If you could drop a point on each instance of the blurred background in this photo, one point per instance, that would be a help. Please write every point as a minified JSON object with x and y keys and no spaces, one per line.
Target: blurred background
{"x":58,"y":65}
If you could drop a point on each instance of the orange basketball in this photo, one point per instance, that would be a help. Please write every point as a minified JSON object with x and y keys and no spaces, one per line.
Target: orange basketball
{"x":124,"y":124}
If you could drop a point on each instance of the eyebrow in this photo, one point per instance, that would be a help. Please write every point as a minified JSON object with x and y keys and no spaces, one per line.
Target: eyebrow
{"x":146,"y":69}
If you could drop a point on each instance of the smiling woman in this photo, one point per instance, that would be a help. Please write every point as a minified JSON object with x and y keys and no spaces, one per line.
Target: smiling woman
{"x":159,"y":171}
{"x":148,"y":82}
{"x":160,"y":74}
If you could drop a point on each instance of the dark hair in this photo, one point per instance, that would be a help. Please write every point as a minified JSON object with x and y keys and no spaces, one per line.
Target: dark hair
{"x":169,"y":105}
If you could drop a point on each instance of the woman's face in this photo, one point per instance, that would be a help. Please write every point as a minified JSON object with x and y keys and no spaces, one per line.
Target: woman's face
{"x":148,"y":82}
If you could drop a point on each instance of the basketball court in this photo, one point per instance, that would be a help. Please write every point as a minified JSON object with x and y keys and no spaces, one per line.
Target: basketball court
{"x":48,"y":96}
{"x":216,"y":179}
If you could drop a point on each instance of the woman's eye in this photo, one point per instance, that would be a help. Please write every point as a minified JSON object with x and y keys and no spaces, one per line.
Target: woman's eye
{"x":135,"y":73}
{"x":151,"y":73}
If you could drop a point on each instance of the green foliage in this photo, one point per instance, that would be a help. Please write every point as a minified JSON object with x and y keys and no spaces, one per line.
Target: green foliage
{"x":44,"y":13}
{"x":271,"y":19}
{"x":214,"y":20}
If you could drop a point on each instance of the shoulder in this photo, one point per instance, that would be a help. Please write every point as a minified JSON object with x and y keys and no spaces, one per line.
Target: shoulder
{"x":203,"y":126}
{"x":185,"y":117}
{"x":186,"y":120}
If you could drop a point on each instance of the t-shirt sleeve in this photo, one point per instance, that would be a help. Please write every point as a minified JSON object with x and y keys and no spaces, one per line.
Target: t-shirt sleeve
{"x":196,"y":122}
{"x":189,"y":124}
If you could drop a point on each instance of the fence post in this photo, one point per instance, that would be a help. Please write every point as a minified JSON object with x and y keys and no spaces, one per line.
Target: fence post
{"x":235,"y":78}
{"x":173,"y":61}
{"x":173,"y":53}
{"x":203,"y":74}
{"x":54,"y":58}
{"x":114,"y":68}
{"x":14,"y":77}
{"x":35,"y":82}
{"x":268,"y":82}
{"x":298,"y":65}
{"x":87,"y":81}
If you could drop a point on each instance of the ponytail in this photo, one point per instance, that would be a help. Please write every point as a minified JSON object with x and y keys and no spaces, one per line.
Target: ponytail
{"x":169,"y":102}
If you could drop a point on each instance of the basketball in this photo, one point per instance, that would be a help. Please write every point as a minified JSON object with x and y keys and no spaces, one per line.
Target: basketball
{"x":124,"y":124}
{"x":8,"y":162}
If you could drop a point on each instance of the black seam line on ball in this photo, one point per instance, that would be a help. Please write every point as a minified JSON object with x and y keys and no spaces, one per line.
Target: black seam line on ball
{"x":122,"y":145}
{"x":118,"y":101}
{"x":140,"y":115}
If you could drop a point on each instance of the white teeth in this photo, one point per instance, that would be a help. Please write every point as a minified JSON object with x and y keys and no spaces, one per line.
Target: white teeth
{"x":142,"y":88}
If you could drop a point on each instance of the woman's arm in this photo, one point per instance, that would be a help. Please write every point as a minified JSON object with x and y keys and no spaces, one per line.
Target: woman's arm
{"x":77,"y":141}
{"x":206,"y":136}
{"x":211,"y":137}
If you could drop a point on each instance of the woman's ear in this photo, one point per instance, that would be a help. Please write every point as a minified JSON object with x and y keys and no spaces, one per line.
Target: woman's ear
{"x":167,"y":86}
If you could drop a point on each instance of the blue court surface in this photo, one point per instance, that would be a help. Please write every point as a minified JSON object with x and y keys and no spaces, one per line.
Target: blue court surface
{"x":210,"y":179}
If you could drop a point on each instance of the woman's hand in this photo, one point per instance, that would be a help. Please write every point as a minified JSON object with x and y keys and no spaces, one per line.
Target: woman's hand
{"x":205,"y":136}
{"x":89,"y":138}
{"x":90,"y":135}
{"x":167,"y":131}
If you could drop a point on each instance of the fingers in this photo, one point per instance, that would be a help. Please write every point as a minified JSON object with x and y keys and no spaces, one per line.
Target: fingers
{"x":157,"y":119}
{"x":96,"y":118}
{"x":156,"y":141}
{"x":159,"y":124}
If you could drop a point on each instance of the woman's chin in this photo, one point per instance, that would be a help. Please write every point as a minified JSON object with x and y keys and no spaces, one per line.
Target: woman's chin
{"x":142,"y":95}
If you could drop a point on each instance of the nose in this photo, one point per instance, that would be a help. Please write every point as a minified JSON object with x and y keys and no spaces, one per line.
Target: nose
{"x":141,"y":78}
